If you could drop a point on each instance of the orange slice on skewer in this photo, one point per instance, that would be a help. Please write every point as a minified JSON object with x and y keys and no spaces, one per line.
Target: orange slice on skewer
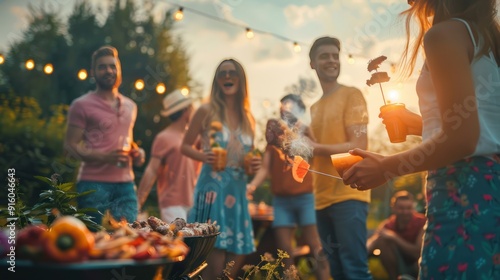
{"x":299,"y":168}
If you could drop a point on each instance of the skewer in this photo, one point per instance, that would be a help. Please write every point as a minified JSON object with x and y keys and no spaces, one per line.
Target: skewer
{"x":210,"y":194}
{"x":321,"y":173}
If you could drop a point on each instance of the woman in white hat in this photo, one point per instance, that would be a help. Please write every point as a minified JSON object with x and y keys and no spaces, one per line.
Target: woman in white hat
{"x":220,"y":196}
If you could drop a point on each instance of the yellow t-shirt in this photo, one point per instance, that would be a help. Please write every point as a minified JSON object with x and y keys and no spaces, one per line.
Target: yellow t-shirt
{"x":330,"y":116}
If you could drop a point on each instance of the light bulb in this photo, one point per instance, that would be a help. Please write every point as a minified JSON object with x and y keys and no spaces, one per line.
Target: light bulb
{"x":82,"y":74}
{"x":30,"y":64}
{"x":249,"y":33}
{"x":139,"y":84}
{"x":48,"y":69}
{"x":185,"y":91}
{"x":161,"y":88}
{"x":296,"y":47}
{"x":2,"y":59}
{"x":350,"y":59}
{"x":179,"y":15}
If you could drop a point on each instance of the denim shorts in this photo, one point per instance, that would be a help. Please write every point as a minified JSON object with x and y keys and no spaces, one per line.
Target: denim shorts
{"x":119,"y":198}
{"x":290,"y":211}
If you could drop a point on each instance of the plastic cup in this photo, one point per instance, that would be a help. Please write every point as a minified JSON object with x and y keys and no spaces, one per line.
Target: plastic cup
{"x":125,"y":145}
{"x":247,"y":163}
{"x":342,"y":162}
{"x":220,"y":159}
{"x":395,"y":128}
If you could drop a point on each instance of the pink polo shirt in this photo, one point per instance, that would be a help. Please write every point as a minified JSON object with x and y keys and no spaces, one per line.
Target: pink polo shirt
{"x":177,"y":173}
{"x":103,"y":126}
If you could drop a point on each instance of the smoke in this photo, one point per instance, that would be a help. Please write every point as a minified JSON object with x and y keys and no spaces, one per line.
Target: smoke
{"x":295,"y":143}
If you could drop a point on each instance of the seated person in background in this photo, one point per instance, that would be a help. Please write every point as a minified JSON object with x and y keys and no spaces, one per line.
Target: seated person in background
{"x":399,"y":237}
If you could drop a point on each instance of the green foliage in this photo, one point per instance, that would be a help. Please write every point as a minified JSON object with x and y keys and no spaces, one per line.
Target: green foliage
{"x":59,"y":196}
{"x":30,"y":144}
{"x":263,"y":193}
{"x":268,"y":268}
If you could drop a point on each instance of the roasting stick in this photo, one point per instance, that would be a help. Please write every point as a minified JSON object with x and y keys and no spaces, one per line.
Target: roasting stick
{"x":321,"y":173}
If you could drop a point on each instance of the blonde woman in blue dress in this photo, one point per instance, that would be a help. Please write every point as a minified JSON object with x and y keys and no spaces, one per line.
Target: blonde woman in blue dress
{"x":220,"y":196}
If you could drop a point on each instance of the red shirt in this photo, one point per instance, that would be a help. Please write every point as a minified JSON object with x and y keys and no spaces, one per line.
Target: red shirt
{"x":410,"y":232}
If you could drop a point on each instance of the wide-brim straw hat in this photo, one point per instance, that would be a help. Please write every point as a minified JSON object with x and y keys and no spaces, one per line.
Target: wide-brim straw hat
{"x":174,"y":102}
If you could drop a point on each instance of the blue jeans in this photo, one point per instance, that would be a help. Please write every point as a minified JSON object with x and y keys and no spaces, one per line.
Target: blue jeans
{"x":119,"y":198}
{"x":290,"y":211}
{"x":342,"y":229}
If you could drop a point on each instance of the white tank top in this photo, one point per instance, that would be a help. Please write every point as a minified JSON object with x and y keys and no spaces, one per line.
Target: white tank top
{"x":486,"y":76}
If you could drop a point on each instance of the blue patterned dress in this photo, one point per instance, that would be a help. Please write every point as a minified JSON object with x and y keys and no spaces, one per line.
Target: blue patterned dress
{"x":221,"y":196}
{"x":462,"y":239}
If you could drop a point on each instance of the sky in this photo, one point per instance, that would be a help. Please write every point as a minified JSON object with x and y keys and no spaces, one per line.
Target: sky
{"x":366,"y":28}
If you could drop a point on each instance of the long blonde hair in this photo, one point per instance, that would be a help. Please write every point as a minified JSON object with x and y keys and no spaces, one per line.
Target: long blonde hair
{"x":218,"y":104}
{"x":481,"y":13}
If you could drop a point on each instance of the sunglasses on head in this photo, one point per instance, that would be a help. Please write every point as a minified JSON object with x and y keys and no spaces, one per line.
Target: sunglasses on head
{"x":411,"y":2}
{"x":223,"y":74}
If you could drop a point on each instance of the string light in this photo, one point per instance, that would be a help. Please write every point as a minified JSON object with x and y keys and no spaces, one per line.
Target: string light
{"x":350,"y":59}
{"x":30,"y":64}
{"x":249,"y":33}
{"x":139,"y":84}
{"x":82,"y":74}
{"x":179,"y":15}
{"x":2,"y":59}
{"x":296,"y":47}
{"x":393,"y":68}
{"x":48,"y":69}
{"x":253,"y":30}
{"x":161,"y":88}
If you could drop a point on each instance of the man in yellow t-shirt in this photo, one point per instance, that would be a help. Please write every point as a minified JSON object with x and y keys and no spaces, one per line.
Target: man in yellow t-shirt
{"x":338,"y":122}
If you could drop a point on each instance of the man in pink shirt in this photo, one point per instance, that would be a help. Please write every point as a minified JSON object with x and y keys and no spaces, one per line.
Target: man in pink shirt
{"x":176,"y":173}
{"x":100,"y":134}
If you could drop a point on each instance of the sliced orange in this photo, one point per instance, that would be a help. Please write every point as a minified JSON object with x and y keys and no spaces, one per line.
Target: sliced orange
{"x":299,"y":168}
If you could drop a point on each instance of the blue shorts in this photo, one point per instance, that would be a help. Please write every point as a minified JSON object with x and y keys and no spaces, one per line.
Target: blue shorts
{"x":290,"y":211}
{"x":119,"y":198}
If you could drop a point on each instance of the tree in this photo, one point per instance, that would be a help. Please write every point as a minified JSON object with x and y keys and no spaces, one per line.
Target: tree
{"x":305,"y":87}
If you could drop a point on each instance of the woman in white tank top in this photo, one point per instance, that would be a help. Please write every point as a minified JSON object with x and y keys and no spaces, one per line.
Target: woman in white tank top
{"x":459,"y":93}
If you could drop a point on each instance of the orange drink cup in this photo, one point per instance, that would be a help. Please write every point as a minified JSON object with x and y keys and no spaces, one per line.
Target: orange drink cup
{"x":220,"y":159}
{"x":342,"y":162}
{"x":395,"y":128}
{"x":247,"y":163}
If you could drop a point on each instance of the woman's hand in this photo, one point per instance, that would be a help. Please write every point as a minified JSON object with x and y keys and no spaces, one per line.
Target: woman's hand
{"x":368,"y":173}
{"x":209,"y":157}
{"x":412,"y":121}
{"x":256,"y":163}
{"x":138,"y":155}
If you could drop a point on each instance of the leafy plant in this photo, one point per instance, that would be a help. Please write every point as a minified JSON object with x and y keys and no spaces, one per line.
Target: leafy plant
{"x":59,"y":196}
{"x":270,"y":267}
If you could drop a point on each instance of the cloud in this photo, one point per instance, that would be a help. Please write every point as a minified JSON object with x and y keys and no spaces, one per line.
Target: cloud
{"x":300,"y":15}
